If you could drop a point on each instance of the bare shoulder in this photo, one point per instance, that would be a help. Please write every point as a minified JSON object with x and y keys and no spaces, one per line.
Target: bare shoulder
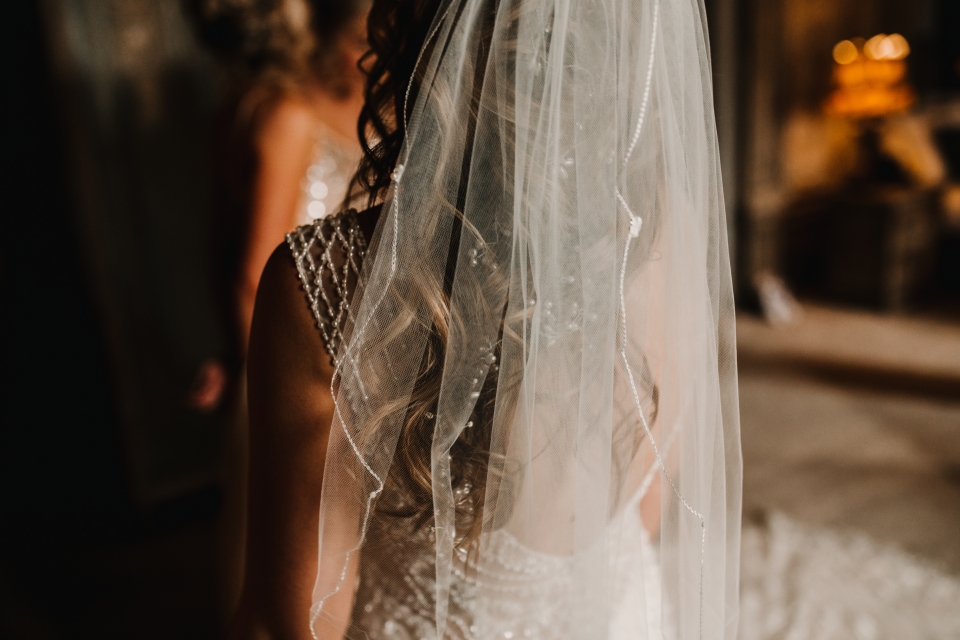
{"x":288,"y":116}
{"x":280,"y":298}
{"x":287,"y":355}
{"x":279,"y":282}
{"x":290,"y":409}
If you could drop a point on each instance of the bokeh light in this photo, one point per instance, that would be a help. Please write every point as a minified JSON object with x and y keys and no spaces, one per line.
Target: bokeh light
{"x":845,"y":52}
{"x":887,"y":47}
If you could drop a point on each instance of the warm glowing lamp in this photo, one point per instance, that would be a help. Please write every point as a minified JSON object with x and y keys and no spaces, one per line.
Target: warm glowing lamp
{"x":870,"y":77}
{"x":845,"y":52}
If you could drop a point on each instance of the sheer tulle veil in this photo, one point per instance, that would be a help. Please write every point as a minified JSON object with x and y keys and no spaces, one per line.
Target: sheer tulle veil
{"x":552,"y":256}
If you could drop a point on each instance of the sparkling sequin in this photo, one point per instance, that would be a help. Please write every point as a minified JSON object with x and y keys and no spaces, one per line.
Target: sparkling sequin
{"x":324,"y":186}
{"x":316,"y":209}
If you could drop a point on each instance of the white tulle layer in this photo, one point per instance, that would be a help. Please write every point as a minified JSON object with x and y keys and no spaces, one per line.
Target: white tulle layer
{"x":553,"y":251}
{"x":801,"y":582}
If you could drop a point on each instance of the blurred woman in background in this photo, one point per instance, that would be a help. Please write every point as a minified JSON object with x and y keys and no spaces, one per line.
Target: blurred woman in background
{"x":287,"y":144}
{"x":286,"y":149}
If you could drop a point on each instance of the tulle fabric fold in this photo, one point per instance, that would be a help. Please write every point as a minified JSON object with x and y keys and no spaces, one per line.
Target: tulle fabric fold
{"x":557,"y":210}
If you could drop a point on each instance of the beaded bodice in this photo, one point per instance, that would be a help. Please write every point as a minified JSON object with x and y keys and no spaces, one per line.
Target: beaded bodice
{"x":328,"y":253}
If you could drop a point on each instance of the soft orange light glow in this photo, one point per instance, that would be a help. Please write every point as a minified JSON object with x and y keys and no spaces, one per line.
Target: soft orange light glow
{"x":884,"y":47}
{"x":870,"y":77}
{"x":901,"y":45}
{"x":845,"y":52}
{"x":872,"y":48}
{"x":950,"y":201}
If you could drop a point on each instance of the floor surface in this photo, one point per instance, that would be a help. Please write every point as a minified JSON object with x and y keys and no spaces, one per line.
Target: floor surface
{"x":828,"y":447}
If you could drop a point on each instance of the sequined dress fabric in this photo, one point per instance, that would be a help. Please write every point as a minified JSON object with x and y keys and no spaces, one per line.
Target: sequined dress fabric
{"x":515,"y":592}
{"x":325,"y":184}
{"x":802,"y":582}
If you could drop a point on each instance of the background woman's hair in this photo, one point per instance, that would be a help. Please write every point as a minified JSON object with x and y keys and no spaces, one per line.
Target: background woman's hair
{"x":272,"y":42}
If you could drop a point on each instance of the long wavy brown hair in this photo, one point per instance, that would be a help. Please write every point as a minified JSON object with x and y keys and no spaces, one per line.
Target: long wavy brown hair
{"x":397,"y":31}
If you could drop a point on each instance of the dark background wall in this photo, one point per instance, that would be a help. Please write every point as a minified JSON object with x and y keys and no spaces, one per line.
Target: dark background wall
{"x":785,"y":53}
{"x":136,"y":101}
{"x":105,"y":510}
{"x":61,"y":444}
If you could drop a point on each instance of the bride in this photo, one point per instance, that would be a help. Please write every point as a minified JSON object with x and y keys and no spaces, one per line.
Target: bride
{"x":501,"y":401}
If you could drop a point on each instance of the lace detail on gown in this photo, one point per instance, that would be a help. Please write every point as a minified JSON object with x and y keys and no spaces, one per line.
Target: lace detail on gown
{"x":328,"y":253}
{"x":515,"y":593}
